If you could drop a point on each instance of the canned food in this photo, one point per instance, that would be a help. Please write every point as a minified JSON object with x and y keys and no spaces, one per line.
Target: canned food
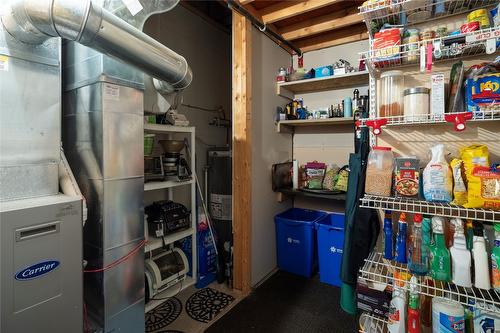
{"x":469,"y":27}
{"x":481,"y":16}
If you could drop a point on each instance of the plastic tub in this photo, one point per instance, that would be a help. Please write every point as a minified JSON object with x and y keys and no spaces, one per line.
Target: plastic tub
{"x":391,"y":94}
{"x":330,"y":233}
{"x":296,"y":240}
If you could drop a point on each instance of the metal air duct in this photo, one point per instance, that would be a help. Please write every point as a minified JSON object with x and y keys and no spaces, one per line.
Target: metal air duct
{"x":34,"y":21}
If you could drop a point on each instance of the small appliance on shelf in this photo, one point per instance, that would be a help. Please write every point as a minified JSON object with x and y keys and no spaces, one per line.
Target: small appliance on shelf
{"x":168,"y":166}
{"x":166,"y":217}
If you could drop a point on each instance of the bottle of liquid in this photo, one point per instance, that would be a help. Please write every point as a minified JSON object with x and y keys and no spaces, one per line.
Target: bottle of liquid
{"x":388,"y":240}
{"x":460,"y":257}
{"x":469,"y":234}
{"x":447,"y":316}
{"x":401,"y":240}
{"x":413,"y":307}
{"x":426,"y":237}
{"x":495,"y":259}
{"x":355,"y":100}
{"x":397,"y":309}
{"x":481,"y":271}
{"x":417,"y":262}
{"x":440,"y":256}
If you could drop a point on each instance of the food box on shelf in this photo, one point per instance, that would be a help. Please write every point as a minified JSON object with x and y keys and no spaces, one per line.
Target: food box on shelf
{"x":323,"y":71}
{"x":373,"y":297}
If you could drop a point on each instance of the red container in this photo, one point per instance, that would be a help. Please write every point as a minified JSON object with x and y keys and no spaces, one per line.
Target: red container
{"x":469,"y":27}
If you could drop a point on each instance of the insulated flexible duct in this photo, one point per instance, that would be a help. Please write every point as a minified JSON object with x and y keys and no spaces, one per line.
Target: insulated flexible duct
{"x":33,"y":21}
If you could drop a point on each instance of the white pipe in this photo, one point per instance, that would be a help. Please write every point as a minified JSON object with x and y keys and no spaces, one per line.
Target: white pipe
{"x":83,"y":21}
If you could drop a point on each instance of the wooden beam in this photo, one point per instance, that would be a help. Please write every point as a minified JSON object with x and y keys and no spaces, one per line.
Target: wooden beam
{"x":286,"y":9}
{"x":246,"y":2}
{"x":334,"y":38}
{"x":242,"y":152}
{"x":269,"y":27}
{"x":337,"y":20}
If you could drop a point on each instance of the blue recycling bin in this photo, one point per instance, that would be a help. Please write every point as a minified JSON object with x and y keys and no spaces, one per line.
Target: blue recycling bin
{"x":330,"y":233}
{"x":296,"y":240}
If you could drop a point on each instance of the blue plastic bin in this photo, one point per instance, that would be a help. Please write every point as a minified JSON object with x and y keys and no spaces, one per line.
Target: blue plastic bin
{"x":330,"y":232}
{"x":296,"y":240}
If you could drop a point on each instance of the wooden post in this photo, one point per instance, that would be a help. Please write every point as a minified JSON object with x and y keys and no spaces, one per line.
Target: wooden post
{"x":242,"y":152}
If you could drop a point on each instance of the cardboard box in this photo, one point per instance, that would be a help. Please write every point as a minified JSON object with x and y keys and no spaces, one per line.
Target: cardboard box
{"x":373,"y":298}
{"x":438,"y":97}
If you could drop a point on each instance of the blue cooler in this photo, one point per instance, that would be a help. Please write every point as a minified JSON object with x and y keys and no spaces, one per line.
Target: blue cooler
{"x":296,"y":240}
{"x":330,"y":232}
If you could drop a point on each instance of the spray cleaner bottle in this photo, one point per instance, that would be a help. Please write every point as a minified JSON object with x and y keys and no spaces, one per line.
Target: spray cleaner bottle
{"x":397,"y":307}
{"x":460,"y":256}
{"x":417,"y":261}
{"x":401,"y":240}
{"x":388,"y":240}
{"x":481,"y":271}
{"x":413,"y":307}
{"x":440,"y":256}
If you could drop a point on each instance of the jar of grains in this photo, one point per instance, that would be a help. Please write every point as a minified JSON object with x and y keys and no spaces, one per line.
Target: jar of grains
{"x":379,"y":171}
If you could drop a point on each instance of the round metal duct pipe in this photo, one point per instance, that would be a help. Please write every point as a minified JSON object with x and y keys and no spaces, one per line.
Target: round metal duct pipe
{"x":33,"y":21}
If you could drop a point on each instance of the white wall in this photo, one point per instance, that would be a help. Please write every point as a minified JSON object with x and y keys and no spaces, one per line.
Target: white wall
{"x":268,"y":148}
{"x":208,"y":51}
{"x":328,"y":144}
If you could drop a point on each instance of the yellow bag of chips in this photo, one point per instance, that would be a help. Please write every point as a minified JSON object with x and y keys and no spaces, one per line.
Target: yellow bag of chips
{"x":459,"y":188}
{"x":474,"y":156}
{"x":484,"y":188}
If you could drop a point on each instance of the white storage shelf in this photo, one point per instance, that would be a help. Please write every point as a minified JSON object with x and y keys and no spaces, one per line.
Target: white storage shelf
{"x":154,"y":243}
{"x":380,"y":12}
{"x":158,"y":185}
{"x":160,"y":128}
{"x":430,"y":208}
{"x":377,"y":269}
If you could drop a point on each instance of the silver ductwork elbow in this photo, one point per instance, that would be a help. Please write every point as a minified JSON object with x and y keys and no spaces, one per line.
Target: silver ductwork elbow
{"x":33,"y":21}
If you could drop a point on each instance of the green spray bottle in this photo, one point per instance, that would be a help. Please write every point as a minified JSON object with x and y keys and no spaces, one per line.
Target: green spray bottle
{"x":495,"y":260}
{"x":440,"y":267}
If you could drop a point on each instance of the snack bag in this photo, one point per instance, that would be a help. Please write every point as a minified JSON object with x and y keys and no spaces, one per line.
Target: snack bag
{"x":329,"y":180}
{"x":459,"y":188}
{"x":438,"y":180}
{"x":473,"y":156}
{"x":484,"y":188}
{"x":341,"y":179}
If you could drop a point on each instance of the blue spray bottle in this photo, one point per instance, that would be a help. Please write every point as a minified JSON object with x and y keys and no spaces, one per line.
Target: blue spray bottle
{"x":388,"y":240}
{"x":401,"y":240}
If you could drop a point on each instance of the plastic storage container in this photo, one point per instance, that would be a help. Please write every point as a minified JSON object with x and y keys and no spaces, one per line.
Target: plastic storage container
{"x":416,"y":101}
{"x":330,"y":232}
{"x":391,"y":94}
{"x":296,"y":240}
{"x":379,"y":171}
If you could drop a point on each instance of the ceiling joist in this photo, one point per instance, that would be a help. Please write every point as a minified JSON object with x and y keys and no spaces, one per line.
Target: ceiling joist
{"x":285,"y":9}
{"x":333,"y":38}
{"x":337,"y":20}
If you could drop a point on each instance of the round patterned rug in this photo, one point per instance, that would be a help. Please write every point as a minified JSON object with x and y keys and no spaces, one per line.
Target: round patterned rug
{"x":163,"y":315}
{"x":206,"y":304}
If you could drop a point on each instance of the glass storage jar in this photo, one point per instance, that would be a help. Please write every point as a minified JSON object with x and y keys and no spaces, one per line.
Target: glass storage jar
{"x":379,"y":171}
{"x":416,"y":102}
{"x":391,"y":94}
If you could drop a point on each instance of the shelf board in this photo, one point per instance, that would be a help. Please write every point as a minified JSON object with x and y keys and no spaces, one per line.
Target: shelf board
{"x":158,"y":185}
{"x":291,"y":192}
{"x":160,"y":128}
{"x":377,"y":269}
{"x":154,"y":243}
{"x":349,"y":80}
{"x":287,"y":126}
{"x":430,"y":208}
{"x":170,"y":292}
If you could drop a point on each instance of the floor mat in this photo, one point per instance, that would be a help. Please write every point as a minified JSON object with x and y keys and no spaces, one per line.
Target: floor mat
{"x":288,"y":303}
{"x":192,"y":310}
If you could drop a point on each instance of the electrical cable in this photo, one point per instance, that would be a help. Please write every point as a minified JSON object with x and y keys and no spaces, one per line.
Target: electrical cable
{"x":118,"y":261}
{"x":219,"y":110}
{"x":86,"y":325}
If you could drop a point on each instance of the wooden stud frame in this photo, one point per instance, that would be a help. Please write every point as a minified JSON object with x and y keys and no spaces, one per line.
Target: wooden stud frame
{"x":242,"y":152}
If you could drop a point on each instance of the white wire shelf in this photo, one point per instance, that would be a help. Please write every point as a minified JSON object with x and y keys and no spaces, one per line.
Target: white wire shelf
{"x":370,"y":323}
{"x":451,"y":47}
{"x":154,"y":243}
{"x":416,"y":11}
{"x":429,"y":208}
{"x":492,"y":115}
{"x":377,"y":269}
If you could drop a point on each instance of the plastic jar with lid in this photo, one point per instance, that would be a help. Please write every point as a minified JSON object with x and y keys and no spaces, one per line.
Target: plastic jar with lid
{"x":391,"y":94}
{"x":416,"y":101}
{"x":379,"y":171}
